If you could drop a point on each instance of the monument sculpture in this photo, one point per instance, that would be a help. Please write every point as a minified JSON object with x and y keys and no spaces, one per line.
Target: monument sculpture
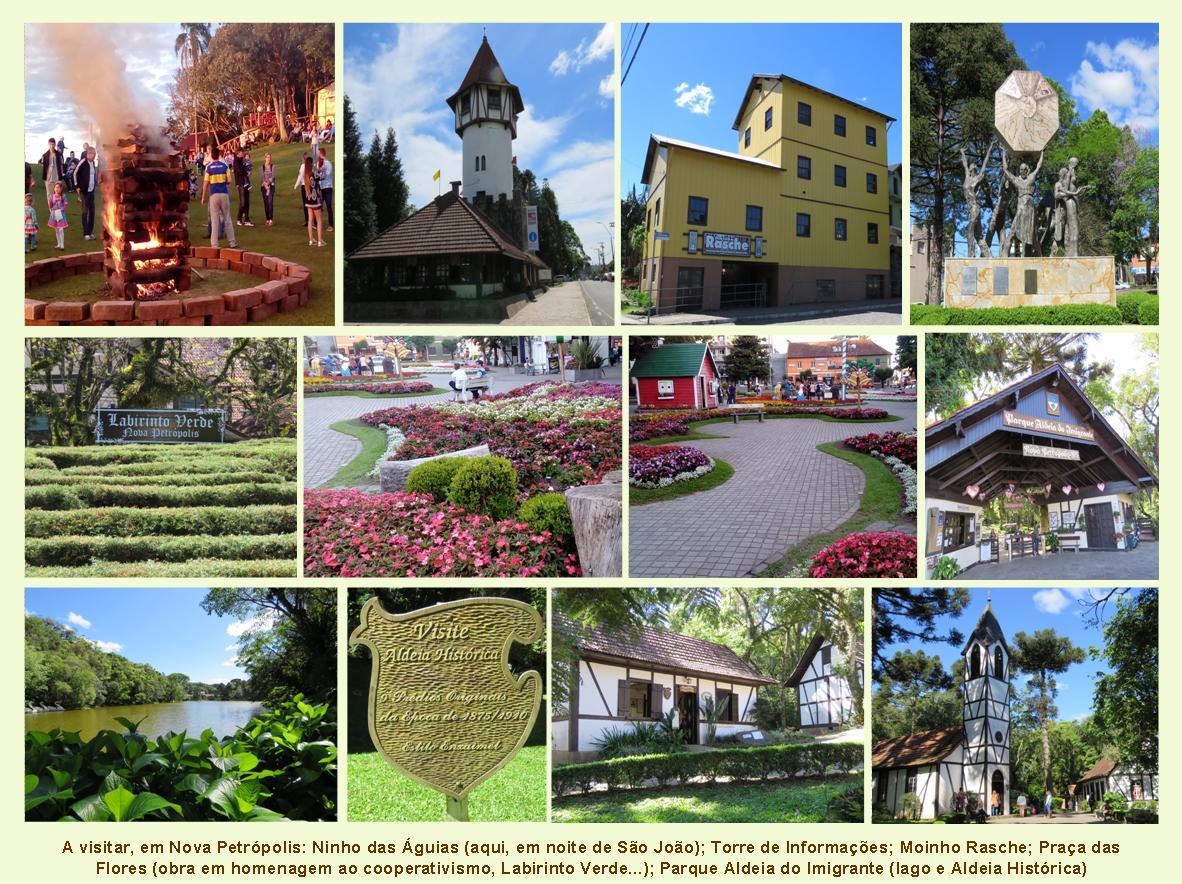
{"x":1038,"y":261}
{"x":444,"y":707}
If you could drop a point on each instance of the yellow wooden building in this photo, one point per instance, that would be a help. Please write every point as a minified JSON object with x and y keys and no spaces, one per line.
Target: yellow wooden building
{"x":799,"y":214}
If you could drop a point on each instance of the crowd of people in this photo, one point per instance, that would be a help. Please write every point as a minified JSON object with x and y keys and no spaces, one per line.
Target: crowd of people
{"x":213,"y":170}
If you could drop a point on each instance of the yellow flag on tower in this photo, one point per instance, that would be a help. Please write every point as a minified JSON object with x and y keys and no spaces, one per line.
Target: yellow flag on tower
{"x":435,"y":177}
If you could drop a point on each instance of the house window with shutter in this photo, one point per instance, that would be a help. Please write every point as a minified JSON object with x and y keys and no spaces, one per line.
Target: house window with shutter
{"x":639,"y":700}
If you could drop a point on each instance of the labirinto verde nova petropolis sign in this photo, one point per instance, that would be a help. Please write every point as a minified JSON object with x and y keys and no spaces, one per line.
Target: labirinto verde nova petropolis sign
{"x":159,"y":425}
{"x":444,"y":707}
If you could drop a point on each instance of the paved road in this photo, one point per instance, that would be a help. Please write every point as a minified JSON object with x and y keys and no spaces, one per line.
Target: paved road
{"x":860,"y":313}
{"x":326,"y":450}
{"x":600,"y":298}
{"x":1060,"y":818}
{"x":783,"y":491}
{"x":1135,"y":564}
{"x":561,"y":305}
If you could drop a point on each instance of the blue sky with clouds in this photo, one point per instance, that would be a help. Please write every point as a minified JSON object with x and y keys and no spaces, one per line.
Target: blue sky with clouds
{"x":53,"y":107}
{"x":165,"y":628}
{"x":401,"y":76}
{"x":688,"y":80}
{"x":1108,"y":67}
{"x":1028,"y":610}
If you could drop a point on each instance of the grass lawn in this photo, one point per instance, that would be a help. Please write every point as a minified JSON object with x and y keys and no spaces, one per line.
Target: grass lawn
{"x":721,"y":472}
{"x":797,"y":801}
{"x":515,"y":793}
{"x":287,"y":239}
{"x":364,"y":394}
{"x":356,"y":471}
{"x":882,"y":500}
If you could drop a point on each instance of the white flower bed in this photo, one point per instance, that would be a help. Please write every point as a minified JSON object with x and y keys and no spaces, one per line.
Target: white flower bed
{"x":666,"y":481}
{"x":534,"y":407}
{"x":394,"y":440}
{"x":908,"y":477}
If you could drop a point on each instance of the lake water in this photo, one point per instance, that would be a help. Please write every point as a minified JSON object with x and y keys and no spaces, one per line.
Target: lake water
{"x":194,"y":716}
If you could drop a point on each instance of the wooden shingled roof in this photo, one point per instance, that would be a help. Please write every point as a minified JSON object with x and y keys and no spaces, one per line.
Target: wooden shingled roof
{"x":1100,"y":769}
{"x":925,"y":747}
{"x":662,"y":648}
{"x":486,"y":69}
{"x":448,"y":225}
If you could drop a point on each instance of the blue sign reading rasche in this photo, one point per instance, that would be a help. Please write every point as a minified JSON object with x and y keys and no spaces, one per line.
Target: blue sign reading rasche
{"x":160,"y":425}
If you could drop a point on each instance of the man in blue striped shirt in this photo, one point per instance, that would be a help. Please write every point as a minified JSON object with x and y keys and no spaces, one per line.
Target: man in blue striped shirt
{"x":216,"y":187}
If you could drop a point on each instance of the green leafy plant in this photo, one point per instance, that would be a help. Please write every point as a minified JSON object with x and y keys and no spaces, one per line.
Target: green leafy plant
{"x":712,"y":708}
{"x":911,"y":806}
{"x":586,"y":355}
{"x":1053,"y":542}
{"x":548,"y":512}
{"x":485,"y":485}
{"x":280,"y":765}
{"x":434,"y":477}
{"x":946,"y":568}
{"x":1115,"y":805}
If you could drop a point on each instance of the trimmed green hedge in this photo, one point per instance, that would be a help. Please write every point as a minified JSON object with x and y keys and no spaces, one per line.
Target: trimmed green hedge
{"x":183,"y":521}
{"x":46,"y":496}
{"x":192,"y":568}
{"x":756,"y":763}
{"x":57,"y":477}
{"x":72,"y":551}
{"x":1063,"y":314}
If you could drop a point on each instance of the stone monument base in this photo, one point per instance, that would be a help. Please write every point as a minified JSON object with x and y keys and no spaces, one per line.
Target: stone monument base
{"x":1029,"y":282}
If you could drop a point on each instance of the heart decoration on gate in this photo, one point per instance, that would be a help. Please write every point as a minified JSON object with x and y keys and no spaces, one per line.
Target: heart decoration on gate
{"x":972,"y":491}
{"x":1100,"y":486}
{"x":1067,"y":489}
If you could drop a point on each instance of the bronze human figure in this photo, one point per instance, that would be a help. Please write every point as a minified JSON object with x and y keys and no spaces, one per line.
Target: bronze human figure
{"x":1025,"y":222}
{"x":972,"y":181}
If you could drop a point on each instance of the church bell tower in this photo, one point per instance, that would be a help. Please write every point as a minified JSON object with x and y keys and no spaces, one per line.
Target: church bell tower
{"x":486,"y":107}
{"x":986,"y":713}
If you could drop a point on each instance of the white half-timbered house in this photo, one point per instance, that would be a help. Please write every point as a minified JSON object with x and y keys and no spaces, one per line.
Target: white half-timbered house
{"x":630,"y":677}
{"x":972,"y":758}
{"x":822,"y":695}
{"x":1106,"y":776}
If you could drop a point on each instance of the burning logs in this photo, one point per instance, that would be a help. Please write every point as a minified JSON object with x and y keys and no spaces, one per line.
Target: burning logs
{"x":145,"y":217}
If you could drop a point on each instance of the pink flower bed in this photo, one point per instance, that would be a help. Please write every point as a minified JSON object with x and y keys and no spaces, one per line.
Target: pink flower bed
{"x":656,"y":425}
{"x":548,"y":455}
{"x":351,"y":533}
{"x":900,"y":445}
{"x":870,"y":554}
{"x":389,"y":388}
{"x":656,"y":465}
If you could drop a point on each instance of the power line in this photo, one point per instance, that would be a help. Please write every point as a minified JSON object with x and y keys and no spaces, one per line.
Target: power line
{"x":628,"y":41}
{"x":634,"y":53}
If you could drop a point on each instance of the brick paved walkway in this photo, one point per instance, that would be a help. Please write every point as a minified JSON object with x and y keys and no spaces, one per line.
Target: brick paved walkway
{"x":326,"y":450}
{"x":783,"y":491}
{"x":1134,"y":564}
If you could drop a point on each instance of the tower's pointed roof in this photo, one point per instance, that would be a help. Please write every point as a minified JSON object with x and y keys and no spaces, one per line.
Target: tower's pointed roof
{"x":988,"y":630}
{"x":486,"y":69}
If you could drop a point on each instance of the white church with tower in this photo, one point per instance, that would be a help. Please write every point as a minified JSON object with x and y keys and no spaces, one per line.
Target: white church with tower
{"x":961,"y":767}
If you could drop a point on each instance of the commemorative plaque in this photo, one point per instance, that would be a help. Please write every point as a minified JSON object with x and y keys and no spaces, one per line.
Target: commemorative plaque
{"x":115,"y":426}
{"x":444,"y":707}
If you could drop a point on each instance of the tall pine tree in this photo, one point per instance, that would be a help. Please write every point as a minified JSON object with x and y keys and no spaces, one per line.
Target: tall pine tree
{"x":360,"y":219}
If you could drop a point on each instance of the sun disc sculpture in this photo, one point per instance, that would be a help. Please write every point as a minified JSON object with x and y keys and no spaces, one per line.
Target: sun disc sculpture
{"x":1026,"y":111}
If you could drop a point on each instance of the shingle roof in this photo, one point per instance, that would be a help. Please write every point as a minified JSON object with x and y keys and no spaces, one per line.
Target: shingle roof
{"x":925,"y":747}
{"x":486,"y":69}
{"x":1101,"y":768}
{"x":824,"y":349}
{"x":663,"y":648}
{"x":448,"y":225}
{"x":671,"y":360}
{"x":988,"y":630}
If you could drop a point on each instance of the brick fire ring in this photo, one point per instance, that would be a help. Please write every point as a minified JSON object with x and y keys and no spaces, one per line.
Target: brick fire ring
{"x":284,"y":287}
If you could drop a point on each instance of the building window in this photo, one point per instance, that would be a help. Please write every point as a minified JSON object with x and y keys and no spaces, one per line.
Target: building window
{"x":747,"y":137}
{"x":803,"y":223}
{"x":697,"y":210}
{"x":826,"y":289}
{"x":466,"y":103}
{"x":664,"y":389}
{"x":755,"y":217}
{"x":839,"y":228}
{"x":826,"y":655}
{"x":804,"y":167}
{"x":883,"y":779}
{"x":872,"y":232}
{"x":957,"y":533}
{"x":804,"y":113}
{"x":839,"y":176}
{"x":839,"y":125}
{"x":871,"y":136}
{"x":912,"y":779}
{"x":639,"y":700}
{"x":998,"y":669}
{"x":477,"y":163}
{"x":657,"y":216}
{"x":494,"y":100}
{"x":871,"y":182}
{"x":767,"y":119}
{"x":975,"y":663}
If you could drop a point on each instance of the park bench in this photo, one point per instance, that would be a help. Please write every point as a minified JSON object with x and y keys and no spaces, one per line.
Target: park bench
{"x":1069,"y":542}
{"x":747,"y":412}
{"x":475,"y":386}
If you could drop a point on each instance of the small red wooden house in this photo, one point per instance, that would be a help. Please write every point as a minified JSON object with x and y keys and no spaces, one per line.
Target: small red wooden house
{"x":677,"y":376}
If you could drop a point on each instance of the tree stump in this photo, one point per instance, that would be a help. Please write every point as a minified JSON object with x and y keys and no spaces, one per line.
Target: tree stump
{"x":597,"y":514}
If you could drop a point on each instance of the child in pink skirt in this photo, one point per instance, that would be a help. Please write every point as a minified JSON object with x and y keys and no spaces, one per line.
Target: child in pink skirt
{"x":57,"y":215}
{"x":31,"y":225}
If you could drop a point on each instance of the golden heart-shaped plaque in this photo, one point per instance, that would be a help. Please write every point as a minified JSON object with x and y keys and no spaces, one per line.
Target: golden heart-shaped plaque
{"x":444,"y":707}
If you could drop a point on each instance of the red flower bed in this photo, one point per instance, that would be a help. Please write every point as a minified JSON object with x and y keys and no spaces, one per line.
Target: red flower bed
{"x":900,"y":445}
{"x":870,"y":554}
{"x":389,"y":388}
{"x":354,"y":534}
{"x":655,"y":425}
